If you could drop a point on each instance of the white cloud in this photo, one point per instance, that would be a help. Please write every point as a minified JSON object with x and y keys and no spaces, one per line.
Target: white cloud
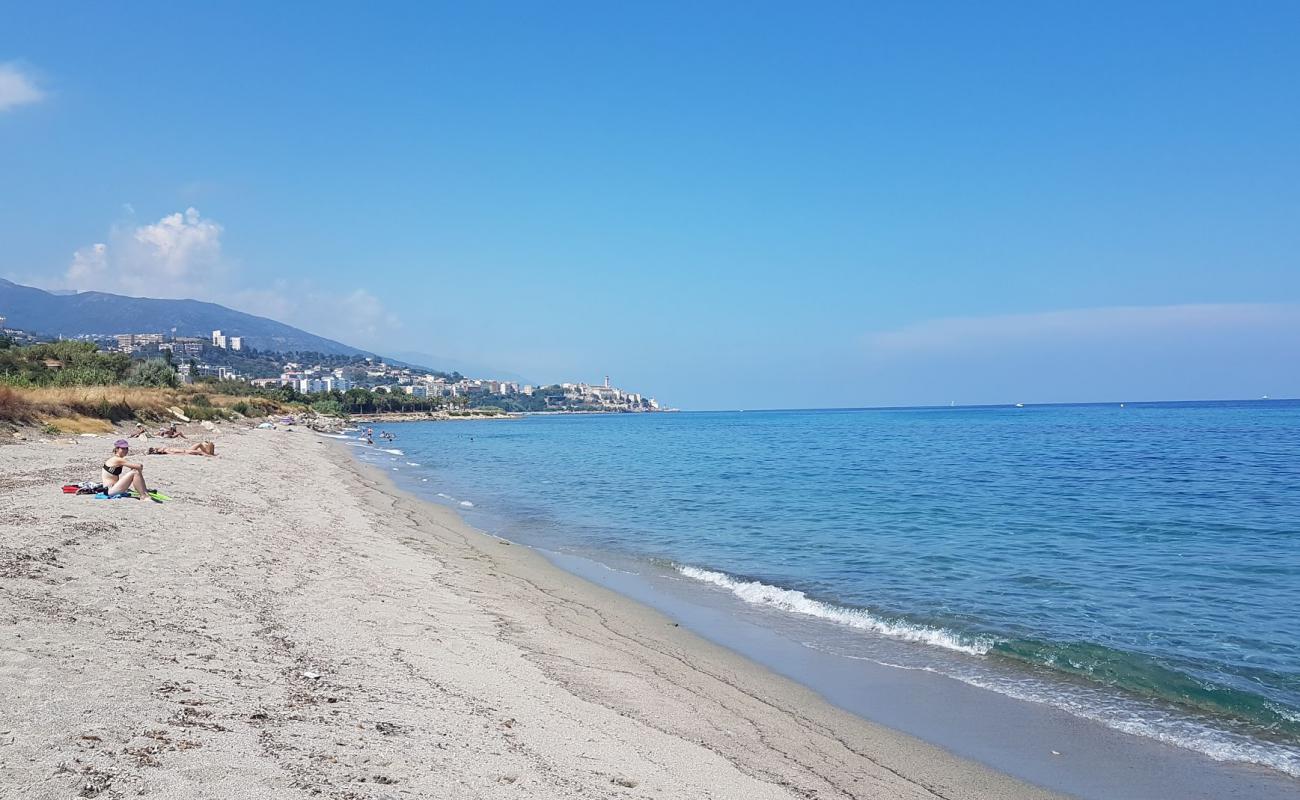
{"x":17,"y":88}
{"x":183,"y":247}
{"x":177,"y":256}
{"x":181,"y":256}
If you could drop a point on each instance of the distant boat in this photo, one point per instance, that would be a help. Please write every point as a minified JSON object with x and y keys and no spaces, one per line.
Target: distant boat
{"x":1121,"y":405}
{"x":1020,"y":405}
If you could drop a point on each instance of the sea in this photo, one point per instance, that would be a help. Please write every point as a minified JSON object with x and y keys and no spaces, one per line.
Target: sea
{"x":1136,"y":564}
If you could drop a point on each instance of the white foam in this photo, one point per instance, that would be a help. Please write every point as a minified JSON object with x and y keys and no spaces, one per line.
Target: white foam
{"x":394,"y":451}
{"x":412,"y":464}
{"x":466,"y":504}
{"x":1142,"y":719}
{"x":797,"y":602}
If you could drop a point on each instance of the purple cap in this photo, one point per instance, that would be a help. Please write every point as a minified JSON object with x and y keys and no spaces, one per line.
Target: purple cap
{"x":121,"y":443}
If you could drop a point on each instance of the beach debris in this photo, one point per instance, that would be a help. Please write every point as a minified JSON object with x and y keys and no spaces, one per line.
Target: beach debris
{"x":144,"y":756}
{"x":311,"y":676}
{"x":178,"y":414}
{"x":93,"y":782}
{"x":208,"y":425}
{"x":388,"y":728}
{"x":1056,"y":752}
{"x":626,"y":783}
{"x":190,"y":717}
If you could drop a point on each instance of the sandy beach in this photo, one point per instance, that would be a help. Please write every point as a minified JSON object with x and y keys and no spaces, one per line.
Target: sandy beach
{"x":292,"y":625}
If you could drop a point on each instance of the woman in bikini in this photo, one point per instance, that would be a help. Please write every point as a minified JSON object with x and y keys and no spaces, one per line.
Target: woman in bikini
{"x":196,"y":449}
{"x":120,"y":475}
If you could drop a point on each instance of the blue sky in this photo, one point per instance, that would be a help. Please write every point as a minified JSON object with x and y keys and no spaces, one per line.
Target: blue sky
{"x":724,"y":205}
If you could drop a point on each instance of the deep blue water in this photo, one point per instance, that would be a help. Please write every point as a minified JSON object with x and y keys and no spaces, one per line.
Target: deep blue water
{"x":1138,"y":565}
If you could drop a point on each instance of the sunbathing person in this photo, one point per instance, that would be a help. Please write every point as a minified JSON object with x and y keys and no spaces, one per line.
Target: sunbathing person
{"x":171,"y":433}
{"x":120,"y":475}
{"x":197,"y":449}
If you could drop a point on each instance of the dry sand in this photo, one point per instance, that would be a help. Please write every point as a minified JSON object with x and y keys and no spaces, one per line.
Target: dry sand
{"x":290,"y":625}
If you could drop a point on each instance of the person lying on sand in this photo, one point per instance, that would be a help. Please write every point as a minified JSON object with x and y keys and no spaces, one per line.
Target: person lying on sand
{"x":196,"y":449}
{"x":171,"y":432}
{"x":120,"y":475}
{"x":139,"y":431}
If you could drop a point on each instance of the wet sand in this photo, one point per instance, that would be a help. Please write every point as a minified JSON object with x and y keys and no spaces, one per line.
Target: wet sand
{"x":291,"y":625}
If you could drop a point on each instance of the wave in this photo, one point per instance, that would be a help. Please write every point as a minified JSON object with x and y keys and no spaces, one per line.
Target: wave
{"x":1144,"y":676}
{"x":1239,"y":717}
{"x":797,"y":602}
{"x":394,"y":451}
{"x":1221,"y":740}
{"x":466,"y":504}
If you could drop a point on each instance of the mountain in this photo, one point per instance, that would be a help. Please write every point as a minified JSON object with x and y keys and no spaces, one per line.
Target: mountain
{"x":41,"y":312}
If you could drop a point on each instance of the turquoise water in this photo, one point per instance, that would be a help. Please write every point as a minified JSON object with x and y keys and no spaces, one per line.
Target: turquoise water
{"x":1139,"y":565}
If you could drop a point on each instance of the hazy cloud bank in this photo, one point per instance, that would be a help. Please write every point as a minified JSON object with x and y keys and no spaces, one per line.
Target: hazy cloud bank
{"x":1198,"y":351}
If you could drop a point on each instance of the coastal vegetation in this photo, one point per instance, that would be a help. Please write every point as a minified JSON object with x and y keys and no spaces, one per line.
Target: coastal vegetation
{"x":73,"y":387}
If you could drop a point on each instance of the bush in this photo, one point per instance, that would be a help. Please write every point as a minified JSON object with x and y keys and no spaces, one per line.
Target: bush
{"x":242,"y":407}
{"x":328,"y":407}
{"x":154,"y":372}
{"x":202,"y":413}
{"x":84,"y":376}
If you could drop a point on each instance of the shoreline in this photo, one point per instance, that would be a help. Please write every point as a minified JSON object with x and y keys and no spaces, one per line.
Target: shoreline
{"x":292,"y":624}
{"x":1089,"y":757}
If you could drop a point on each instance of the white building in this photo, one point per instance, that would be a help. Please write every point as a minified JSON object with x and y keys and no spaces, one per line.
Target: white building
{"x":416,"y":390}
{"x":218,"y":340}
{"x":236,"y":342}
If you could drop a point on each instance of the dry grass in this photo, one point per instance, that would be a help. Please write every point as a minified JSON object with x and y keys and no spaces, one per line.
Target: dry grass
{"x":77,"y":424}
{"x":113,"y":403}
{"x":79,"y":406}
{"x":14,"y":406}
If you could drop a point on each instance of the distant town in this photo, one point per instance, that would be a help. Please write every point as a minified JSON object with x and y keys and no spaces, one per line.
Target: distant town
{"x":225,"y":357}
